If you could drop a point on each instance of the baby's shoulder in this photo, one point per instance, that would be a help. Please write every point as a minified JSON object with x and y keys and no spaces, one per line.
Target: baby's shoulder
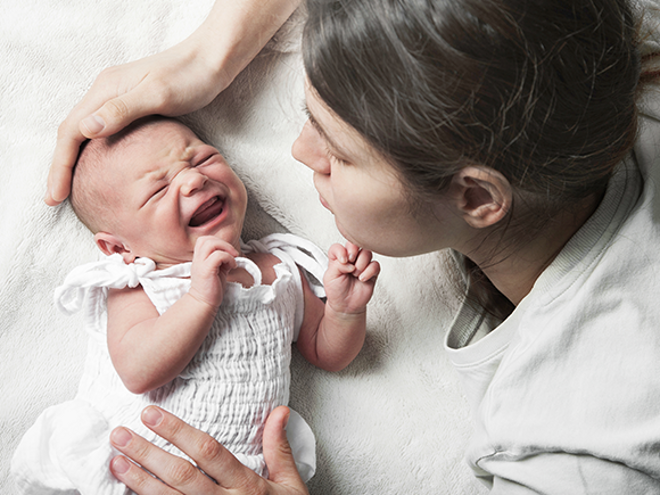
{"x":266,"y":263}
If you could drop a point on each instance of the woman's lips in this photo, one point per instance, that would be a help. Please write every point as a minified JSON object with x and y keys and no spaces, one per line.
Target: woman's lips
{"x":323,"y":202}
{"x":207,"y":212}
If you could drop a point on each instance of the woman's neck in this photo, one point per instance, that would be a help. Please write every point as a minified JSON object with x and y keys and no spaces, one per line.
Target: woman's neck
{"x":514,"y":271}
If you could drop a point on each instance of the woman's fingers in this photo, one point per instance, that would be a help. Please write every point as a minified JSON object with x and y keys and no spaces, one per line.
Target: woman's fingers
{"x":69,"y":139}
{"x":125,"y":93}
{"x":138,"y":480}
{"x":224,"y":473}
{"x":78,"y":126}
{"x":60,"y":173}
{"x":172,"y":82}
{"x":277,"y":451}
{"x":210,"y":456}
{"x":178,"y":474}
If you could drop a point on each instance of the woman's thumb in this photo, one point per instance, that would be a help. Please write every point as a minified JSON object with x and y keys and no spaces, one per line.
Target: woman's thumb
{"x":277,"y":451}
{"x":113,"y":116}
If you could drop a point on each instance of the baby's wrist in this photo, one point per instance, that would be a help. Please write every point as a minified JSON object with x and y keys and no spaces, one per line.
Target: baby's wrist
{"x":211,"y":304}
{"x":350,"y":314}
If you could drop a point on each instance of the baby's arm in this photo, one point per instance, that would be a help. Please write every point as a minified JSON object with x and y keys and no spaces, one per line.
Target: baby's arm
{"x":149,"y":350}
{"x":333,"y":334}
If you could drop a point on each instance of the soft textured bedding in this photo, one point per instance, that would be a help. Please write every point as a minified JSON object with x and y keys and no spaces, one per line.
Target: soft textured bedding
{"x":395,"y":421}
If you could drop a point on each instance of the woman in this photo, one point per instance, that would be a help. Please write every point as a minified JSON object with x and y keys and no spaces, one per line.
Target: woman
{"x":501,"y":129}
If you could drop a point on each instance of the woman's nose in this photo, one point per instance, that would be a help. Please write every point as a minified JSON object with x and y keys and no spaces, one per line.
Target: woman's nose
{"x":191,"y":181}
{"x":310,"y":150}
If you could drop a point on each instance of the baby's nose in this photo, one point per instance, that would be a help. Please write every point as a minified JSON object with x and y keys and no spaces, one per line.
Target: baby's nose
{"x":191,"y":181}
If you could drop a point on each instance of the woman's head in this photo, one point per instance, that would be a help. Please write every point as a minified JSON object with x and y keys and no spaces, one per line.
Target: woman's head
{"x":153,"y":189}
{"x":370,"y":204}
{"x":541,"y":92}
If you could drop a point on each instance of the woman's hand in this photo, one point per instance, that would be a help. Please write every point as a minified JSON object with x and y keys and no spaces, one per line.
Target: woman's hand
{"x":174,"y":82}
{"x":177,"y":81}
{"x":180,"y":476}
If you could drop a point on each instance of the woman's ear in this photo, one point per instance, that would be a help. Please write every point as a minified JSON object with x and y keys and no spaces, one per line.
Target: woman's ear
{"x":111,"y":244}
{"x":483,"y":195}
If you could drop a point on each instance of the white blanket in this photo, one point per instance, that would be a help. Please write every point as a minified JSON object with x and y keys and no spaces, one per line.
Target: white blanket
{"x":395,"y":421}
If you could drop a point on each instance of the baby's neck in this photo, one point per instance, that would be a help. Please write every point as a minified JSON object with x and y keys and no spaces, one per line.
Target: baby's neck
{"x":264,"y":261}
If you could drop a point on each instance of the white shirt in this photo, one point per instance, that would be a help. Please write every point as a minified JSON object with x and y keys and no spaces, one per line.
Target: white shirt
{"x":565,"y":392}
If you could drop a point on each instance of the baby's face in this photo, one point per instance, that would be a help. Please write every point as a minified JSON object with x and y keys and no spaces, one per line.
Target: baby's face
{"x":171,"y":188}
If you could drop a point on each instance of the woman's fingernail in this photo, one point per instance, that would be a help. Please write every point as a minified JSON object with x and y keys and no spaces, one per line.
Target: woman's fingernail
{"x":121,"y":437}
{"x":152,"y":416}
{"x":120,"y":465}
{"x":94,"y":124}
{"x":50,"y":197}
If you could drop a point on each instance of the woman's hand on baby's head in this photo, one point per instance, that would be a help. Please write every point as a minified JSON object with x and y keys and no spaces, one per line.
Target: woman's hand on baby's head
{"x":350,"y":279}
{"x":212,"y":260}
{"x":174,"y":82}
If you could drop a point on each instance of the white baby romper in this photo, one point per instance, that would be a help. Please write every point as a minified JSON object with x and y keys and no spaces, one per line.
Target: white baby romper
{"x":238,"y":376}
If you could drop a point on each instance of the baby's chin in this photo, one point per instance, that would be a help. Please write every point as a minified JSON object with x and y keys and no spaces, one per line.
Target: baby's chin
{"x":167,"y":261}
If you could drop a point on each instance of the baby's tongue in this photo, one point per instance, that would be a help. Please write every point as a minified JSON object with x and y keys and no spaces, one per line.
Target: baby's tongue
{"x":209,"y":210}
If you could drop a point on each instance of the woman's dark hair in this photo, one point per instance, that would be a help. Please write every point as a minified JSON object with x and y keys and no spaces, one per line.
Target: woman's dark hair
{"x":541,"y":90}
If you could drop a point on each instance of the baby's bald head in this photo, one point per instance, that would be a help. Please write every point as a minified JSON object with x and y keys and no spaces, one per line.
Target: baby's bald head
{"x":92,"y":198}
{"x":89,"y":194}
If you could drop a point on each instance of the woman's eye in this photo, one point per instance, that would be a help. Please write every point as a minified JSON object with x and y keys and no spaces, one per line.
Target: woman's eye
{"x":335,"y":158}
{"x":340,"y":161}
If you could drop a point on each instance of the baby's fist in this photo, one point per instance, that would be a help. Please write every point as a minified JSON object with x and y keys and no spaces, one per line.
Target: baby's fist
{"x":212,"y":260}
{"x":350,"y":278}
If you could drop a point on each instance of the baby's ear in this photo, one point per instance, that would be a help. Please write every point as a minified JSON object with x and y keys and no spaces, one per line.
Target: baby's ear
{"x":111,"y":244}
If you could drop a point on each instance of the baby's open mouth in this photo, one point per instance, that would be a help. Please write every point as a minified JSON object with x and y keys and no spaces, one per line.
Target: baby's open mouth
{"x":207,"y":211}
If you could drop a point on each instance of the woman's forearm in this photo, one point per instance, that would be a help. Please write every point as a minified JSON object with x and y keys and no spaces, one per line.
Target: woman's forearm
{"x":235,"y":31}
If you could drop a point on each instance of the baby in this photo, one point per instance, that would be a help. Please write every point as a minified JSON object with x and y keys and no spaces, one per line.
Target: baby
{"x":183,"y":314}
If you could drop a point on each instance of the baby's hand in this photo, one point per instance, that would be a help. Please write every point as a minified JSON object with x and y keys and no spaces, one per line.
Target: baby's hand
{"x":350,"y":278}
{"x":212,"y":260}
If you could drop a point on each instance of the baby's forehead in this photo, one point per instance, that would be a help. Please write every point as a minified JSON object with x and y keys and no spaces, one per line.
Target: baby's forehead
{"x":151,"y":143}
{"x":145,"y":153}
